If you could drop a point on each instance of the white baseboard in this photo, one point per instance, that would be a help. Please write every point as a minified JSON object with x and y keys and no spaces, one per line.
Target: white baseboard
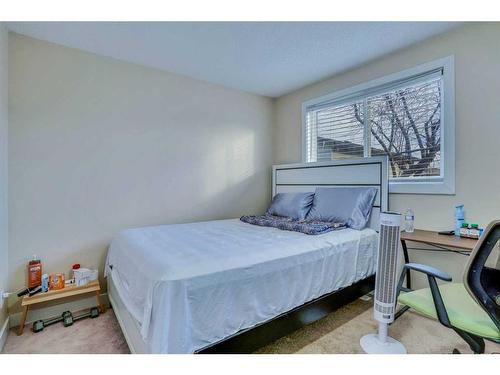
{"x":55,"y":310}
{"x":3,"y":333}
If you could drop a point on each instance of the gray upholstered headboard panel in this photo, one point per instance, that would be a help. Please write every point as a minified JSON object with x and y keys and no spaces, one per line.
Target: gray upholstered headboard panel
{"x":348,"y":172}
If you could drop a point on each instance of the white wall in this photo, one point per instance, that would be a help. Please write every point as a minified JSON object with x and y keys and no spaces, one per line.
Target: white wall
{"x":477,"y":85}
{"x":97,"y":145}
{"x":3,"y":169}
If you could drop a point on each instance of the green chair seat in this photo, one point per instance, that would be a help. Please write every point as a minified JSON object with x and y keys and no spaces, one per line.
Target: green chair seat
{"x":464,"y":313}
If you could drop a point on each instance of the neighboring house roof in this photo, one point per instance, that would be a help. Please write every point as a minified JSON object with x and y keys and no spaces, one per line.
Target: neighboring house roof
{"x":328,"y":145}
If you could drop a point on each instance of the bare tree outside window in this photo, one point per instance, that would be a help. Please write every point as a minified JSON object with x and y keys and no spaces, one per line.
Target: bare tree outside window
{"x":404,"y":124}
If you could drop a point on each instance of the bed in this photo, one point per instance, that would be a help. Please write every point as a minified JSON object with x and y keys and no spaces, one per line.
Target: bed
{"x":226,"y":286}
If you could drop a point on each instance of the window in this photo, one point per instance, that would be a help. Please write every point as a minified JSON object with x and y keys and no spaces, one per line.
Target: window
{"x":408,"y":116}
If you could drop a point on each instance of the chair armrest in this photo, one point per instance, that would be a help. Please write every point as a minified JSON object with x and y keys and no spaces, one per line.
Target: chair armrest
{"x":428,"y":270}
{"x":432,"y":273}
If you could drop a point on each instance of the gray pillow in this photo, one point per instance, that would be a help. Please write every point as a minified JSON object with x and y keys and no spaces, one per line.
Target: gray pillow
{"x":351,"y":205}
{"x":293,"y":205}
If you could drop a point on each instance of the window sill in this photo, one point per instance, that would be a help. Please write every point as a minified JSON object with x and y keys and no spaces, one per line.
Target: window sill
{"x":415,"y":187}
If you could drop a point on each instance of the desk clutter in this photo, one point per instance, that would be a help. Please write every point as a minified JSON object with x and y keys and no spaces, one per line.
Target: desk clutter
{"x":464,"y":229}
{"x":39,"y":282}
{"x":43,"y":287}
{"x":470,"y":231}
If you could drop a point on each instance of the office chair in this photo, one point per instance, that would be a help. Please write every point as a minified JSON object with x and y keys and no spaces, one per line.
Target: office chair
{"x":471,"y":309}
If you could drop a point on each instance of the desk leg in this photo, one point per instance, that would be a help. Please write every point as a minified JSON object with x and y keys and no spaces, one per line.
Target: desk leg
{"x":407,"y":260}
{"x":24,"y":313}
{"x":102,"y":309}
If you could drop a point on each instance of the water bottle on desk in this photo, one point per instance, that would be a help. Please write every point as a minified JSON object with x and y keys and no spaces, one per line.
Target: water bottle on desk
{"x":409,"y":221}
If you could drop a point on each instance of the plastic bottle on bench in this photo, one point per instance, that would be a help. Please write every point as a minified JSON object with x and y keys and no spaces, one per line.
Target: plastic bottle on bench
{"x":34,"y":272}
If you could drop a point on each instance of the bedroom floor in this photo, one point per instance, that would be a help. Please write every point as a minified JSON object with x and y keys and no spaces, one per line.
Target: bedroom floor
{"x":339,"y":332}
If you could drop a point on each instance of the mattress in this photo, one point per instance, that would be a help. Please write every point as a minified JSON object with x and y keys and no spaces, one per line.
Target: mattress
{"x":192,"y":285}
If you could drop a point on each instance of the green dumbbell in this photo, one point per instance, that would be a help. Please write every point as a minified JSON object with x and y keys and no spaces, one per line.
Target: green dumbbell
{"x":38,"y":326}
{"x":94,"y":312}
{"x":67,"y":319}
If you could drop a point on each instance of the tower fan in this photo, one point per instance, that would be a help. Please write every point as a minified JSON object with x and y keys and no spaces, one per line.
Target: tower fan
{"x":385,"y":287}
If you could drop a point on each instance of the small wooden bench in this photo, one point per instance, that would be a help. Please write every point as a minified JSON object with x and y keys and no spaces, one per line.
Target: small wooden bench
{"x":51,"y":295}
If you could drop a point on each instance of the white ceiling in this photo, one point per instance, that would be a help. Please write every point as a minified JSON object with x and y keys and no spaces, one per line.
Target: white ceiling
{"x":271,"y":58}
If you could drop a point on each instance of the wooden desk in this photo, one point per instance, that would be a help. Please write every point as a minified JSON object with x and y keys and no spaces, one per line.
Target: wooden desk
{"x":439,"y":242}
{"x":51,"y":295}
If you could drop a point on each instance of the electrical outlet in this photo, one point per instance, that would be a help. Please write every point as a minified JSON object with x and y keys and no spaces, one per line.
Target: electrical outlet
{"x":3,"y":296}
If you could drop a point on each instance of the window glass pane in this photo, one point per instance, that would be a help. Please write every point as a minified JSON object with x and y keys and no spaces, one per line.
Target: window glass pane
{"x":406,"y":125}
{"x":336,"y":132}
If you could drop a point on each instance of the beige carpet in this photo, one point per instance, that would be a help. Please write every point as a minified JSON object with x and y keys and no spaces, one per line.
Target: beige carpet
{"x":339,"y":332}
{"x":100,"y":335}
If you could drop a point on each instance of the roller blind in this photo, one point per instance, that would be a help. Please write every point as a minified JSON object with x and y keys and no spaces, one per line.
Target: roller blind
{"x":336,"y":132}
{"x":401,"y":119}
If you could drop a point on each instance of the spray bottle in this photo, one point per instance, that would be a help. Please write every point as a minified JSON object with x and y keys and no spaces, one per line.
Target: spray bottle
{"x":459,"y":218}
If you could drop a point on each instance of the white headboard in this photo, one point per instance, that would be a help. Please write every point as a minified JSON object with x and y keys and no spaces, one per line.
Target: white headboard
{"x":304,"y":177}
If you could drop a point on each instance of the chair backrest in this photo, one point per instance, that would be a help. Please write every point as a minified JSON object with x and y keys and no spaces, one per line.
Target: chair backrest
{"x":483,"y":282}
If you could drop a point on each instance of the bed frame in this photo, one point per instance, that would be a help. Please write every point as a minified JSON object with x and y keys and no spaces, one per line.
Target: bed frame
{"x":291,"y":178}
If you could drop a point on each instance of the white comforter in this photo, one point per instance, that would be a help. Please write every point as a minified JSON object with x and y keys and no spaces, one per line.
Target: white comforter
{"x":190,"y":285}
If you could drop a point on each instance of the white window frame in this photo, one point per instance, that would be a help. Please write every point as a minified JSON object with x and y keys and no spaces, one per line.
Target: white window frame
{"x":445,"y":184}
